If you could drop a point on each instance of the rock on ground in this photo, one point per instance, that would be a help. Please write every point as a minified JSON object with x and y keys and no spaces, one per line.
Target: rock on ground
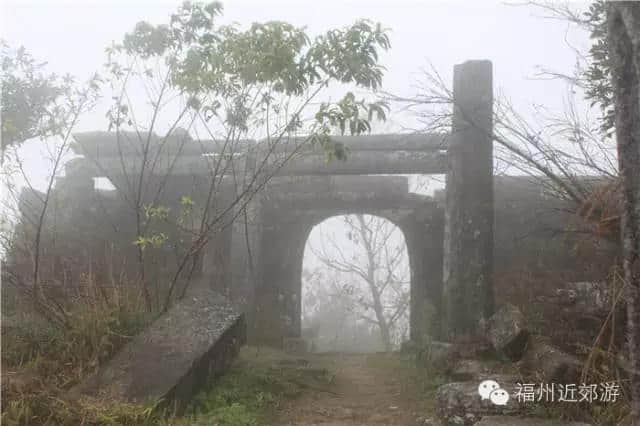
{"x":460,"y":403}
{"x":507,"y":331}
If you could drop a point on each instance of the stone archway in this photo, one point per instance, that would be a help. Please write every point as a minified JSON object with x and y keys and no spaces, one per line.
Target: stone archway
{"x":287,"y":223}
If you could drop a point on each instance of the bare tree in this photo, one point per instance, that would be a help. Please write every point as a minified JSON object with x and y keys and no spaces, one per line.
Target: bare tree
{"x":374,"y":272}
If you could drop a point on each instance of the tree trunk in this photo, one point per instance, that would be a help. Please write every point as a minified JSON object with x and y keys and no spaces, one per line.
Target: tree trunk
{"x":385,"y":334}
{"x":623,"y":21}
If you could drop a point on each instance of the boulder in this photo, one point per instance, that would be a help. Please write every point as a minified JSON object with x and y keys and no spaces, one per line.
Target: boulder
{"x":507,"y":331}
{"x":548,"y":364}
{"x":460,"y":403}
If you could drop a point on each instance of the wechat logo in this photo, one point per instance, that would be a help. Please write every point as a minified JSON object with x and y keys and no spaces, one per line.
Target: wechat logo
{"x":491,"y":390}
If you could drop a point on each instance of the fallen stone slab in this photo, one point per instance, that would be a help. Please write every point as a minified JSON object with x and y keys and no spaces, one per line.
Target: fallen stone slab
{"x":460,"y":403}
{"x":548,"y":364}
{"x":524,"y":421}
{"x":507,"y":331}
{"x":169,"y":361}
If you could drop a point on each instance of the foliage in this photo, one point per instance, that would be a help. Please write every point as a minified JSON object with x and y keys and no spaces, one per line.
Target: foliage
{"x":35,"y":104}
{"x":254,"y":388}
{"x":238,"y":76}
{"x":235,"y":414}
{"x":40,"y":362}
{"x":598,"y":73}
{"x":29,"y":97}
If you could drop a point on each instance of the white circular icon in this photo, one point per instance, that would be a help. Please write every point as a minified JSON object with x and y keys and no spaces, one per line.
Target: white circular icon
{"x":486,"y":387}
{"x":499,"y":397}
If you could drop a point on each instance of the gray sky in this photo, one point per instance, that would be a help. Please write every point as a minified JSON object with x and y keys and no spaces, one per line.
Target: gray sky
{"x":72,"y":35}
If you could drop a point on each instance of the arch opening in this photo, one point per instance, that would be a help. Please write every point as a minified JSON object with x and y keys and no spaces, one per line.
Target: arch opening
{"x":356,"y":287}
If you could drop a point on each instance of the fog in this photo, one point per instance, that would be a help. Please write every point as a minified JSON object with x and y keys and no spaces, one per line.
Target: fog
{"x":349,"y":212}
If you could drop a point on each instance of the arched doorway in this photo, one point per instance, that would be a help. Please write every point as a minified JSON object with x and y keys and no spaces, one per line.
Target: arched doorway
{"x":355,"y":285}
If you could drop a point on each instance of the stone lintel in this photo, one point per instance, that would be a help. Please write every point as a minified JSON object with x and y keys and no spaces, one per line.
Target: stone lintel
{"x":357,"y":163}
{"x":101,"y":144}
{"x":354,"y":183}
{"x":368,"y":163}
{"x":346,"y":203}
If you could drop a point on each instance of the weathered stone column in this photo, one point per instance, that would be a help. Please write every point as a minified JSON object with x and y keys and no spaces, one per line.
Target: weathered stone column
{"x":277,"y":300}
{"x":423,"y":233}
{"x":433,"y":260}
{"x":468,"y":248}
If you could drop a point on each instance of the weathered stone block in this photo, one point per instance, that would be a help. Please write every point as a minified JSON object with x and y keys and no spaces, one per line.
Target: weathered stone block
{"x":507,"y":331}
{"x":169,"y":361}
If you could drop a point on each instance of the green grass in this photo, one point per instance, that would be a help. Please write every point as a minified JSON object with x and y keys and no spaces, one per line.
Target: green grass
{"x":252,"y":391}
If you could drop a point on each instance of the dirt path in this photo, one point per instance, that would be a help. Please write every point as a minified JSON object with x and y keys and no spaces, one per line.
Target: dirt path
{"x":367,"y":390}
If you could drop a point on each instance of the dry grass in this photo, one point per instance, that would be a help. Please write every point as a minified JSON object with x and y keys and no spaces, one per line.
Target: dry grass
{"x":41,"y":360}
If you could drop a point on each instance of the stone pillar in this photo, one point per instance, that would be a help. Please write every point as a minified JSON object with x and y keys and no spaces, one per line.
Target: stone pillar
{"x":424,"y":238}
{"x":277,"y":301}
{"x":245,"y":253}
{"x":216,"y":261}
{"x":434,"y":247}
{"x":468,"y":247}
{"x":418,"y":295}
